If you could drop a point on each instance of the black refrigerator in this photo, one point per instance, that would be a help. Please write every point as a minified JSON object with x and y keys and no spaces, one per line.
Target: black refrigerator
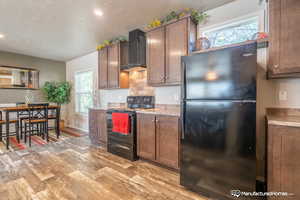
{"x":218,"y":152}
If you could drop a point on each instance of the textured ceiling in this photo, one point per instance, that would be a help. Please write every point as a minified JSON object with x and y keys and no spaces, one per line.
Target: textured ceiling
{"x":64,"y":29}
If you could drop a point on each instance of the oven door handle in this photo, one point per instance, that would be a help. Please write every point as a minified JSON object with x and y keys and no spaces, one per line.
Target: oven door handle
{"x":122,"y":146}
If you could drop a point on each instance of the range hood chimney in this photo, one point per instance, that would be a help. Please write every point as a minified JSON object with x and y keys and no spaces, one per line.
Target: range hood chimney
{"x":137,"y":50}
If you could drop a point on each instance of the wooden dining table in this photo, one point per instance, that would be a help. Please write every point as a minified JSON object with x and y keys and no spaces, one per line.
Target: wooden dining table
{"x":23,"y":108}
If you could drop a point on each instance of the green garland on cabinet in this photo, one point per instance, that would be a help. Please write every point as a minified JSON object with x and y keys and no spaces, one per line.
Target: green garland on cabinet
{"x":106,"y":43}
{"x":197,"y":16}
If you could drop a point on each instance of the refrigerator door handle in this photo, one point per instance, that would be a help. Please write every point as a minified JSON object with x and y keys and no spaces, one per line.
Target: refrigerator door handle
{"x":182,"y":118}
{"x":183,"y":97}
{"x":183,"y":80}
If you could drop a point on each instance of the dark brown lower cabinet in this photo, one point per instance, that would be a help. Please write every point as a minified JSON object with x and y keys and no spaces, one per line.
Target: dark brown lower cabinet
{"x":284,"y":160}
{"x":158,"y":139}
{"x":167,"y":141}
{"x":97,"y":127}
{"x":146,"y":136}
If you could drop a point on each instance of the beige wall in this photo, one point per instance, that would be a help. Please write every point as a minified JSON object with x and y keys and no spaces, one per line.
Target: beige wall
{"x":49,"y":71}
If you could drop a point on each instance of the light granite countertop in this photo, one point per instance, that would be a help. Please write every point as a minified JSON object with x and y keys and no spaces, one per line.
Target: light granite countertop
{"x":284,"y":116}
{"x":160,"y":109}
{"x":293,"y":121}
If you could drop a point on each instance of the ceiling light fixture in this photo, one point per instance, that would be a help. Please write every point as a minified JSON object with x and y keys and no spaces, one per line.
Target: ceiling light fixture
{"x":98,"y":12}
{"x":1,"y":36}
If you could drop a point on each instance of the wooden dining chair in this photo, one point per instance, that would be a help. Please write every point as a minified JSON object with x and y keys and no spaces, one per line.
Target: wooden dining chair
{"x":37,"y":122}
{"x":21,"y":115}
{"x":9,"y":134}
{"x":52,"y":116}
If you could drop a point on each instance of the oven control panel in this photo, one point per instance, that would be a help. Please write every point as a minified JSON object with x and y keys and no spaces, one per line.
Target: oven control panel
{"x":144,"y":102}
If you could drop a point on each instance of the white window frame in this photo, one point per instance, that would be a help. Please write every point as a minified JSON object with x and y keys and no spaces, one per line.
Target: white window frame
{"x":260,"y":15}
{"x":77,"y":92}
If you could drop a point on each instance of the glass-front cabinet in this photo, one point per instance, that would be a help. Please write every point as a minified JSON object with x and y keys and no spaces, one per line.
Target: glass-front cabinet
{"x":17,"y":77}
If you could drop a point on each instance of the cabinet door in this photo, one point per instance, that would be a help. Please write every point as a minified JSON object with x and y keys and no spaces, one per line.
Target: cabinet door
{"x":93,"y":128}
{"x":97,"y":127}
{"x":176,"y":46}
{"x":167,"y":141}
{"x":146,"y":136}
{"x":283,"y":160}
{"x":113,"y":66}
{"x":156,"y":56}
{"x":102,"y":126}
{"x":102,"y":68}
{"x":284,"y":36}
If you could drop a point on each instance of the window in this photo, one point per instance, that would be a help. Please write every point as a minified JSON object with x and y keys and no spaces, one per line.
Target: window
{"x":233,"y":33}
{"x":83,"y":91}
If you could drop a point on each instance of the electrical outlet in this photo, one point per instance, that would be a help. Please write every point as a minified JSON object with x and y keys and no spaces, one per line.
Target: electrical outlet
{"x":283,"y":95}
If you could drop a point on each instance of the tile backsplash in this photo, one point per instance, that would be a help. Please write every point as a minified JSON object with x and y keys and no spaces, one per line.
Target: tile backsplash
{"x":139,"y":87}
{"x":138,"y":84}
{"x":163,"y":95}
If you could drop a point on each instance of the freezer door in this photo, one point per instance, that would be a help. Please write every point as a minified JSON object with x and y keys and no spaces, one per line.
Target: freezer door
{"x":222,"y":74}
{"x":218,"y":147}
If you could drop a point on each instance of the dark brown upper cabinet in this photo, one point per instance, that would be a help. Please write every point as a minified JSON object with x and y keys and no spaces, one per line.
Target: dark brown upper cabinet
{"x":102,"y":60}
{"x":113,"y":66}
{"x":176,"y":46}
{"x":165,"y":46}
{"x":156,"y":56}
{"x":284,"y":43}
{"x":110,"y":60}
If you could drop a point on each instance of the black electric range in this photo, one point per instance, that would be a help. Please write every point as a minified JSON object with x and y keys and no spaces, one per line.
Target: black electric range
{"x":125,"y":145}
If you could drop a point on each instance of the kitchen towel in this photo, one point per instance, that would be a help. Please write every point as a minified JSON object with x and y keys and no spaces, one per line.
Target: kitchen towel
{"x":121,"y":123}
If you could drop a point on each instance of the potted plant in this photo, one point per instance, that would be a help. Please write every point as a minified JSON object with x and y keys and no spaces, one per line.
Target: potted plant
{"x":57,"y":92}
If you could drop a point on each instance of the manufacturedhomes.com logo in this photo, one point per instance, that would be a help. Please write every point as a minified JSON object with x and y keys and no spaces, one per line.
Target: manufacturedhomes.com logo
{"x":238,"y":193}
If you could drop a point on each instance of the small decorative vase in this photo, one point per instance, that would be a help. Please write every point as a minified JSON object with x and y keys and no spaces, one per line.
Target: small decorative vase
{"x":202,"y":43}
{"x":29,"y":98}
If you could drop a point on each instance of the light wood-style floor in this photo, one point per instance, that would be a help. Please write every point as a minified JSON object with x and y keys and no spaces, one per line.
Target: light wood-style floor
{"x":73,"y":169}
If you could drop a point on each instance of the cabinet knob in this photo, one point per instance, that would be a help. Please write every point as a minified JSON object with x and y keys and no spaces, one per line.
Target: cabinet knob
{"x":276,"y":66}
